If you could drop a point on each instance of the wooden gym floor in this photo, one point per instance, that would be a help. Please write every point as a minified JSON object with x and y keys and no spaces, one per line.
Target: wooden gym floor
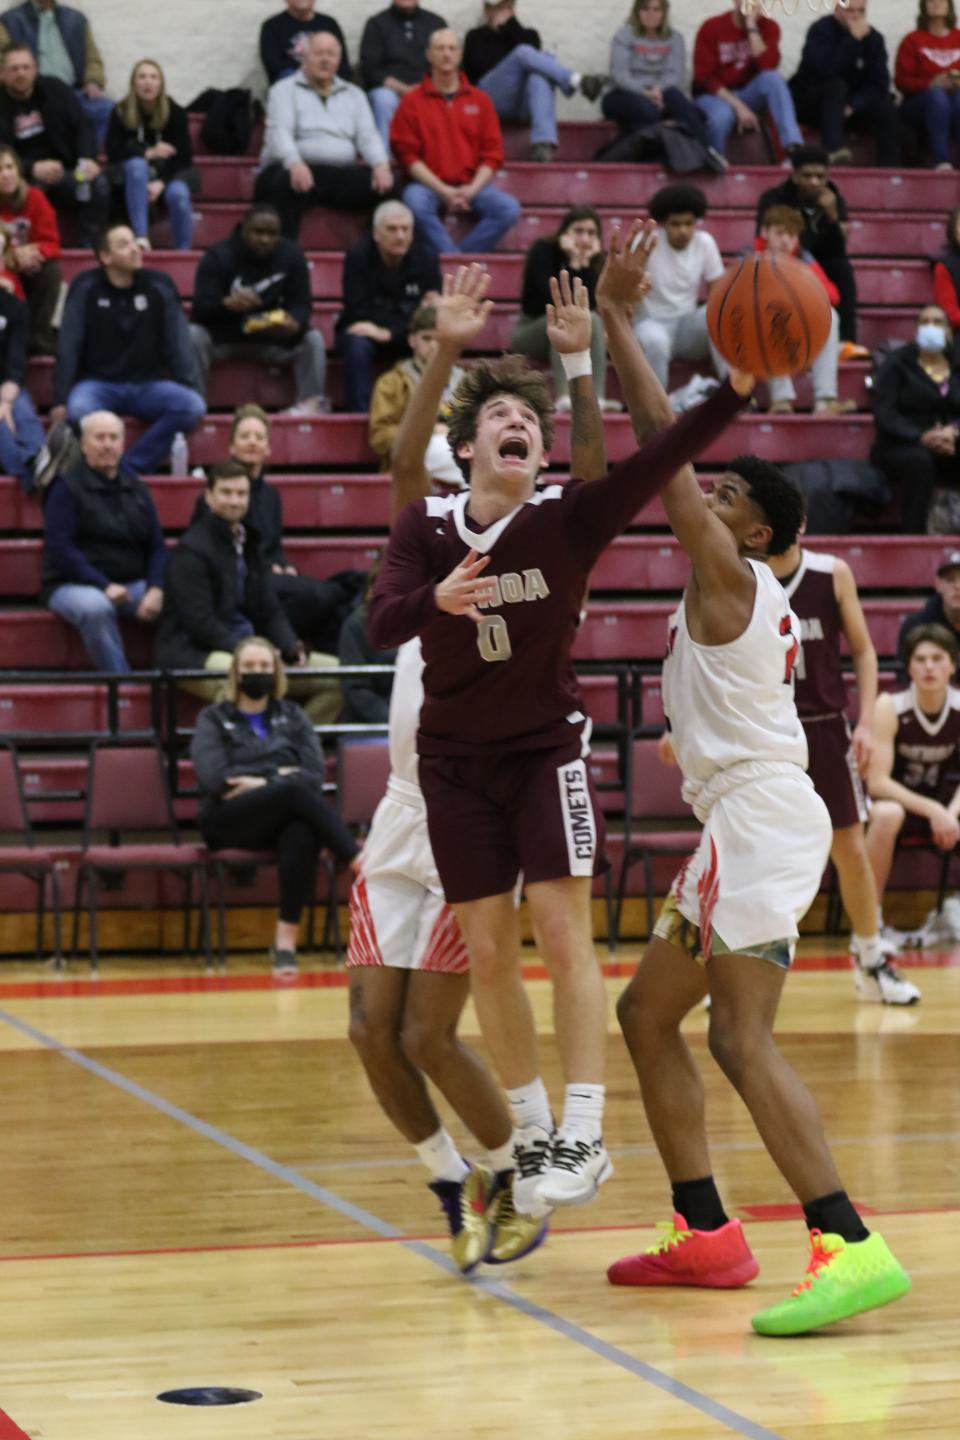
{"x":199,"y":1190}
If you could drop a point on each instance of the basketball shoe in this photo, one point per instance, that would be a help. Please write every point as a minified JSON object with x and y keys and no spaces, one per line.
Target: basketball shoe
{"x":884,"y":983}
{"x":466,"y":1203}
{"x":532,"y":1153}
{"x":843,"y":1278}
{"x":710,"y":1259}
{"x":514,"y":1234}
{"x":578,"y":1168}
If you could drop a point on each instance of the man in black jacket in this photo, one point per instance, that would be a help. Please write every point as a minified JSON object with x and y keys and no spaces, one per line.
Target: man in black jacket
{"x":943,"y":606}
{"x":386,"y":277}
{"x":282,"y":36}
{"x":844,"y":79}
{"x":123,"y":332}
{"x":252,"y":301}
{"x":44,"y":122}
{"x":393,"y":56}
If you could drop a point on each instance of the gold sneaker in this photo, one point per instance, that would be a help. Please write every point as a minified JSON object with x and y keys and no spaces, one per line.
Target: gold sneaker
{"x":466,"y":1204}
{"x":514,"y":1234}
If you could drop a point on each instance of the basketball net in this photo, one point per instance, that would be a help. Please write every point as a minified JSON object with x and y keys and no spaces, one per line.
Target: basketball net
{"x":790,"y":7}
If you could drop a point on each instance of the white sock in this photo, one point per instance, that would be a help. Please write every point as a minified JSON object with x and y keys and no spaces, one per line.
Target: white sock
{"x":502,"y":1157}
{"x":583,"y":1110}
{"x":869,"y":954}
{"x":530,"y":1105}
{"x":575,"y":79}
{"x":441,"y":1157}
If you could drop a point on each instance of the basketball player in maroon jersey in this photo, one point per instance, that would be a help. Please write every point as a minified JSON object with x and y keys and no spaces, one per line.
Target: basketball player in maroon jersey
{"x":503,"y":737}
{"x":823,"y":595}
{"x":916,"y":750}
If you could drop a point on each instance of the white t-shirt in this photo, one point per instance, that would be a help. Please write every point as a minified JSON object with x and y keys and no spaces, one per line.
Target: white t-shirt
{"x":678,"y":275}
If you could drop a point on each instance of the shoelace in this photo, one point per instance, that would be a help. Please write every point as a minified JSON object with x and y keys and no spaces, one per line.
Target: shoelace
{"x":819,"y":1257}
{"x":533,"y":1159}
{"x":571,"y":1155}
{"x":669,"y":1236}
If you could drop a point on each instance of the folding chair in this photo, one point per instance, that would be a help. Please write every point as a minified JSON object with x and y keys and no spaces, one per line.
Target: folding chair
{"x":24,"y":856}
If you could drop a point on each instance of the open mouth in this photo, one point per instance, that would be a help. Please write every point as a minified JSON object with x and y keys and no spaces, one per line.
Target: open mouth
{"x":514,"y":448}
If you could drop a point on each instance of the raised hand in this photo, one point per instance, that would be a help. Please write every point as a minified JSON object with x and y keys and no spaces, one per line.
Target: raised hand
{"x":464,"y":588}
{"x":568,"y":317}
{"x":623,"y":279}
{"x":462,"y":309}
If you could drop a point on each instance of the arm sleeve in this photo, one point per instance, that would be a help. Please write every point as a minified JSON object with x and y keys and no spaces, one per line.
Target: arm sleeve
{"x":621,"y":47}
{"x":69,"y":343}
{"x":712,"y":260}
{"x":891,"y":424}
{"x":210,"y":288}
{"x":309,"y":752}
{"x":372,"y":64}
{"x":536,"y":279}
{"x":368,"y":141}
{"x":675,"y":69}
{"x":406,"y":140}
{"x":209,"y":755}
{"x":93,"y":71}
{"x":279,"y":140}
{"x":908,"y":76}
{"x":117,"y":143}
{"x":386,"y":412}
{"x":81,"y":124}
{"x":833,"y":294}
{"x":178,"y":135}
{"x":945,"y":293}
{"x":177,"y":336}
{"x":358,"y":303}
{"x":299,"y":300}
{"x":189,"y":592}
{"x":769,"y":58}
{"x":60,"y":529}
{"x":271,"y":50}
{"x":157,"y":564}
{"x":876,"y":70}
{"x":44,"y":229}
{"x":822,"y":56}
{"x":706,"y":61}
{"x":403,"y":602}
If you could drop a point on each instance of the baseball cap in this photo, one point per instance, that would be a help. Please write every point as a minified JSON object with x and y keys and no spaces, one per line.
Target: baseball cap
{"x":950,"y":561}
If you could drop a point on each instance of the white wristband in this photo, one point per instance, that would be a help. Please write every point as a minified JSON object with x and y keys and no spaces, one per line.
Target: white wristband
{"x":574,"y":366}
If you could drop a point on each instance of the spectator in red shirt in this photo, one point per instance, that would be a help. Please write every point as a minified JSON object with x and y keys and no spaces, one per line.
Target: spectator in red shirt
{"x":446,"y":135}
{"x":928,"y":76}
{"x":735,"y":75}
{"x":946,"y":272}
{"x":34,"y":250}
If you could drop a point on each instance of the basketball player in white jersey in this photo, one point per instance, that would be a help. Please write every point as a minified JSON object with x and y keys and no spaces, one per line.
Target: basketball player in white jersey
{"x":409,"y":966}
{"x":729,"y":925}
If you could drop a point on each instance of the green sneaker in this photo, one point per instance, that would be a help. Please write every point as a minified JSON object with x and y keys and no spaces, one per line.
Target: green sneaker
{"x":843,"y":1278}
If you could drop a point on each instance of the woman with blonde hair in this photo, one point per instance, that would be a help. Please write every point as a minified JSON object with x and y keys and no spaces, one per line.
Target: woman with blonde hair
{"x":260,"y":773}
{"x":151,"y":155}
{"x":32,"y":250}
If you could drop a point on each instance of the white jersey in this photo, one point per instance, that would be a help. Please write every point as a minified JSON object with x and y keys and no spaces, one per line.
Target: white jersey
{"x":732,"y":705}
{"x":406,"y":698}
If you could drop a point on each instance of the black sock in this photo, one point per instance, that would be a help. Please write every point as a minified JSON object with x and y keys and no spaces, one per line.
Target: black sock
{"x":834,"y":1215}
{"x":699,"y":1203}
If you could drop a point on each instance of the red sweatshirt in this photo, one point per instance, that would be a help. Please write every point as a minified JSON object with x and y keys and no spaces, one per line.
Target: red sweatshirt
{"x":922,"y":57}
{"x":722,"y":59}
{"x":945,"y":294}
{"x":453,"y":137}
{"x":35,"y":223}
{"x":833,"y":294}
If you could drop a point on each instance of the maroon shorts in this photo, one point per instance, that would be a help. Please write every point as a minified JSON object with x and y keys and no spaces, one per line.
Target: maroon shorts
{"x":833,"y":770}
{"x":491,"y":817}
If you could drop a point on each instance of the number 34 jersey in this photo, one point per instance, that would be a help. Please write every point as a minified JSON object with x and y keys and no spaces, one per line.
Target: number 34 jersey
{"x":926,"y":747}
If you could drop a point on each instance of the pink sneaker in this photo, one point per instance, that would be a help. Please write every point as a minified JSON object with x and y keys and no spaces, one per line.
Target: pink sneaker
{"x":712,"y":1259}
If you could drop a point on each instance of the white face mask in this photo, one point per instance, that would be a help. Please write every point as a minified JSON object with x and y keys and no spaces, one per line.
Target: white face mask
{"x":931,"y":337}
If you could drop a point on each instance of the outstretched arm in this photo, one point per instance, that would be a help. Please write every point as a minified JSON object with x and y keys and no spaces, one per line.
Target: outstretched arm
{"x":569,"y":329}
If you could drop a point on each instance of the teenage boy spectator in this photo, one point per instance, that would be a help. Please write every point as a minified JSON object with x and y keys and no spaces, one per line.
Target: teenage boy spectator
{"x":447,"y":137}
{"x":252,"y":301}
{"x":736,"y":58}
{"x":393,"y":56}
{"x":943,"y":606}
{"x":386,"y":277}
{"x":844,"y":80}
{"x":44,"y":122}
{"x":283,"y":36}
{"x":103,"y":552}
{"x":125,"y":346}
{"x":61,"y":40}
{"x":392,"y":394}
{"x":319,"y":128}
{"x":504,"y":58}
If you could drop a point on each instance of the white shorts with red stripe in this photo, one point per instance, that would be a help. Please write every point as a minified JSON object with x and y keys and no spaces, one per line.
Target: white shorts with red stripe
{"x":398,"y":914}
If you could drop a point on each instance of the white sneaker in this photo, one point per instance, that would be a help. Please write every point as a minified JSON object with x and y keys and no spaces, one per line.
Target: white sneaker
{"x":578,"y":1169}
{"x":532,"y":1154}
{"x":885,"y":984}
{"x":890,"y":944}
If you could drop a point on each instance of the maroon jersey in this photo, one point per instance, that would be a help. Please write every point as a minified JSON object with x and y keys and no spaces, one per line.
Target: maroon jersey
{"x":926,"y":747}
{"x":508,"y":683}
{"x":819,"y":689}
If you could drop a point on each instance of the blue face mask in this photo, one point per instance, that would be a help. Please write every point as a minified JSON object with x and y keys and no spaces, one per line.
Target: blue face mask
{"x":931,"y":337}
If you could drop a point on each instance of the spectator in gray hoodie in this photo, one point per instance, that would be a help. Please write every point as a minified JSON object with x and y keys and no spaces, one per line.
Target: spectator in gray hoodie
{"x":647,"y":71}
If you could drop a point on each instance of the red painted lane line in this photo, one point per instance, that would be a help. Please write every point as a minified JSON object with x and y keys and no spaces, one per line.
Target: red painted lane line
{"x":10,"y":1430}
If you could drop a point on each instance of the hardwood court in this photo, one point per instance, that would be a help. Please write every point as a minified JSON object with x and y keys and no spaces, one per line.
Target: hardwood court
{"x":199,"y":1190}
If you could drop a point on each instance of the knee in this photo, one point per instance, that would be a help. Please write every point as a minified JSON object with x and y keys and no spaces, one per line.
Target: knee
{"x":191,"y":405}
{"x":525,"y":55}
{"x":730,"y":1048}
{"x":425,"y":1043}
{"x":136,"y":170}
{"x":96,"y":611}
{"x":374,"y":1039}
{"x":886,"y":819}
{"x":177,"y":193}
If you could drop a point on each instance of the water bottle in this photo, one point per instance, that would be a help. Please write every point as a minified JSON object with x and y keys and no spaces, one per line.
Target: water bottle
{"x":179,"y":456}
{"x":83,"y":184}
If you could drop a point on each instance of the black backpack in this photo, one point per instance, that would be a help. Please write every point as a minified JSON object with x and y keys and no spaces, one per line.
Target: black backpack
{"x":230,"y":118}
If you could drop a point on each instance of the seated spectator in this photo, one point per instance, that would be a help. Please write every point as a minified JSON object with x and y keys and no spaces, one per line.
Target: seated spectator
{"x":811,"y":191}
{"x":943,"y":606}
{"x":916,"y":406}
{"x":736,"y":76}
{"x":447,"y":137}
{"x":844,"y":81}
{"x":252,"y":301}
{"x":151,"y":155}
{"x":21,"y":434}
{"x":927,"y":74}
{"x":916,"y":746}
{"x":283,"y":36}
{"x":505,"y":60}
{"x":391,"y":396}
{"x":42,"y":119}
{"x":946,"y":269}
{"x":393,"y":56}
{"x":577,"y":248}
{"x":648,"y":69}
{"x":317,"y":126}
{"x":33,"y":250}
{"x":671,"y":321}
{"x":386,"y":277}
{"x":123,"y":332}
{"x":780,"y":233}
{"x":260,"y":774}
{"x":61,"y":40}
{"x":315,"y":608}
{"x":366,"y":698}
{"x":103,"y":549}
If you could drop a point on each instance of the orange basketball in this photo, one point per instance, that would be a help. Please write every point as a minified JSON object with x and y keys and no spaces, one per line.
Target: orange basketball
{"x":769,"y":315}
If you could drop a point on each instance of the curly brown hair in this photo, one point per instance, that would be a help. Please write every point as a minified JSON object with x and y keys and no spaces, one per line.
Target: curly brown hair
{"x":510,"y":375}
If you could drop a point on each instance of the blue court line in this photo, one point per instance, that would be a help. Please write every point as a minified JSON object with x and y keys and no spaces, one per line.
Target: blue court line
{"x":713,"y":1409}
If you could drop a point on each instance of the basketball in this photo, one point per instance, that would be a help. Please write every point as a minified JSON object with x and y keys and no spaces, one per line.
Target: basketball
{"x":769,"y":315}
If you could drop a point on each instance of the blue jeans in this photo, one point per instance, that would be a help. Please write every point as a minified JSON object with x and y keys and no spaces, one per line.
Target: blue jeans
{"x":631,"y":111}
{"x":383,"y":103}
{"x":522,"y":88}
{"x":18,"y":449}
{"x":176,"y":197}
{"x":169,"y":406}
{"x":496,"y":210}
{"x":937,"y":112}
{"x":98,"y":621}
{"x":360,"y":358}
{"x":766,"y":91}
{"x":98,"y":108}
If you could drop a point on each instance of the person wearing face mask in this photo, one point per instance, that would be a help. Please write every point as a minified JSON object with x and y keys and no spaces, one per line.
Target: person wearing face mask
{"x":392,"y":394}
{"x":916,"y":405}
{"x":260,"y":771}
